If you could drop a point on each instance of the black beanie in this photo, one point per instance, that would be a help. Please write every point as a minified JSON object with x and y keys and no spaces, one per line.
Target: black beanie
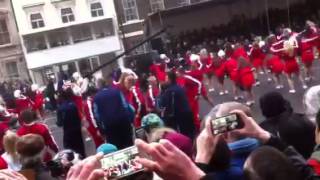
{"x":273,"y":104}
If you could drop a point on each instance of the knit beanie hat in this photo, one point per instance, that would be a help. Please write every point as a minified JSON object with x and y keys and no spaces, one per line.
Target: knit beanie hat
{"x":273,"y":104}
{"x":151,"y":121}
{"x":181,"y":141}
{"x":107,"y":148}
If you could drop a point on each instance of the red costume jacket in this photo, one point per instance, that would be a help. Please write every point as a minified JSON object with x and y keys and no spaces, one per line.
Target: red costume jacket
{"x":42,"y":130}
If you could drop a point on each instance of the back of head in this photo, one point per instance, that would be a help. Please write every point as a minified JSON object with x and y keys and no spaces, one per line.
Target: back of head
{"x":28,"y":116}
{"x":273,"y":104}
{"x":268,"y":163}
{"x":311,"y":102}
{"x":151,"y":121}
{"x":9,"y":142}
{"x":225,"y":109}
{"x":30,"y":147}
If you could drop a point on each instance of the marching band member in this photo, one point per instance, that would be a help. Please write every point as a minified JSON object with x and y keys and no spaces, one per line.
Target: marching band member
{"x":91,"y":123}
{"x":22,"y":103}
{"x":196,"y":73}
{"x":38,"y":100}
{"x":193,"y":88}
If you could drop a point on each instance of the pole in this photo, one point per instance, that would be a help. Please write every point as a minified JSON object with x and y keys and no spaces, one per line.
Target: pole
{"x":288,"y":8}
{"x":267,"y":15}
{"x":126,"y":52}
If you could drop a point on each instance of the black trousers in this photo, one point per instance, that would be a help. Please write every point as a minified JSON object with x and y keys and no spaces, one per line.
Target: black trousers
{"x":73,"y":140}
{"x":183,"y":123}
{"x":119,"y":134}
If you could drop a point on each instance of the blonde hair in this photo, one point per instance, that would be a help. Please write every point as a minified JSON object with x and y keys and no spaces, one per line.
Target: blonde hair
{"x":9,"y":143}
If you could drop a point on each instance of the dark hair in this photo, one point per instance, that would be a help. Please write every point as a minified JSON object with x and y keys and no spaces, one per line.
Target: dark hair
{"x":28,"y":116}
{"x":66,"y":94}
{"x":172,"y":77}
{"x":267,"y":163}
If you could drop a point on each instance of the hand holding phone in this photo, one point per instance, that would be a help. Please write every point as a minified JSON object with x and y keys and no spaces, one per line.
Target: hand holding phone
{"x":226,"y":123}
{"x":121,"y":163}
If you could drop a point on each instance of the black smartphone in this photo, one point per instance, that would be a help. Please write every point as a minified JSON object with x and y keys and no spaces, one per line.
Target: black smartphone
{"x":140,"y":133}
{"x":226,"y":123}
{"x":122,"y":163}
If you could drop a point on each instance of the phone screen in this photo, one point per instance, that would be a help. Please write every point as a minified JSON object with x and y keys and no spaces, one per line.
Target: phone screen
{"x":121,"y":163}
{"x":226,"y":123}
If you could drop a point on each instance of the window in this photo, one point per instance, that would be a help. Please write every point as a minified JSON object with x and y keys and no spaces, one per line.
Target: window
{"x":81,"y":33}
{"x":156,"y":5}
{"x":36,"y":21}
{"x":130,"y":10}
{"x":94,"y":62}
{"x":183,"y":2}
{"x":12,"y":69}
{"x":67,"y":15}
{"x":96,"y":9}
{"x":58,"y":38}
{"x":34,"y":42}
{"x":4,"y":34}
{"x":103,"y":28}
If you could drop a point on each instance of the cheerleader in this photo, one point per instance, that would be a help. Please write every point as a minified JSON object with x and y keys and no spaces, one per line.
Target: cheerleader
{"x":206,"y":62}
{"x":218,"y":68}
{"x":256,"y":58}
{"x":274,"y":63}
{"x":231,"y":66}
{"x":307,"y":42}
{"x":291,"y":66}
{"x":246,"y":79}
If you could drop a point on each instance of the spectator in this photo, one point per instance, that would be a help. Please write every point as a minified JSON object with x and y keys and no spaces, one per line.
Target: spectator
{"x":9,"y":174}
{"x":113,"y":115}
{"x":68,"y":118}
{"x":107,"y":148}
{"x":293,"y":128}
{"x":50,"y":93}
{"x":177,"y":113}
{"x":30,"y":126}
{"x":268,"y":163}
{"x":10,"y":156}
{"x":311,"y":102}
{"x":29,"y":148}
{"x":239,"y":146}
{"x":314,"y":160}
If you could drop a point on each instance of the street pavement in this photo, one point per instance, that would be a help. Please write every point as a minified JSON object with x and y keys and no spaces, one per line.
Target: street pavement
{"x":295,"y":99}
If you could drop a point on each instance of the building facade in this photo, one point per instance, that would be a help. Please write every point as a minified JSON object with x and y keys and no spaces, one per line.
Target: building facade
{"x":67,"y":36}
{"x":12,"y":63}
{"x":133,"y":18}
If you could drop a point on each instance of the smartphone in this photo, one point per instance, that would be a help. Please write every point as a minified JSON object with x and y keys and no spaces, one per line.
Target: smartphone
{"x":121,"y":163}
{"x":226,"y":123}
{"x":140,"y":133}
